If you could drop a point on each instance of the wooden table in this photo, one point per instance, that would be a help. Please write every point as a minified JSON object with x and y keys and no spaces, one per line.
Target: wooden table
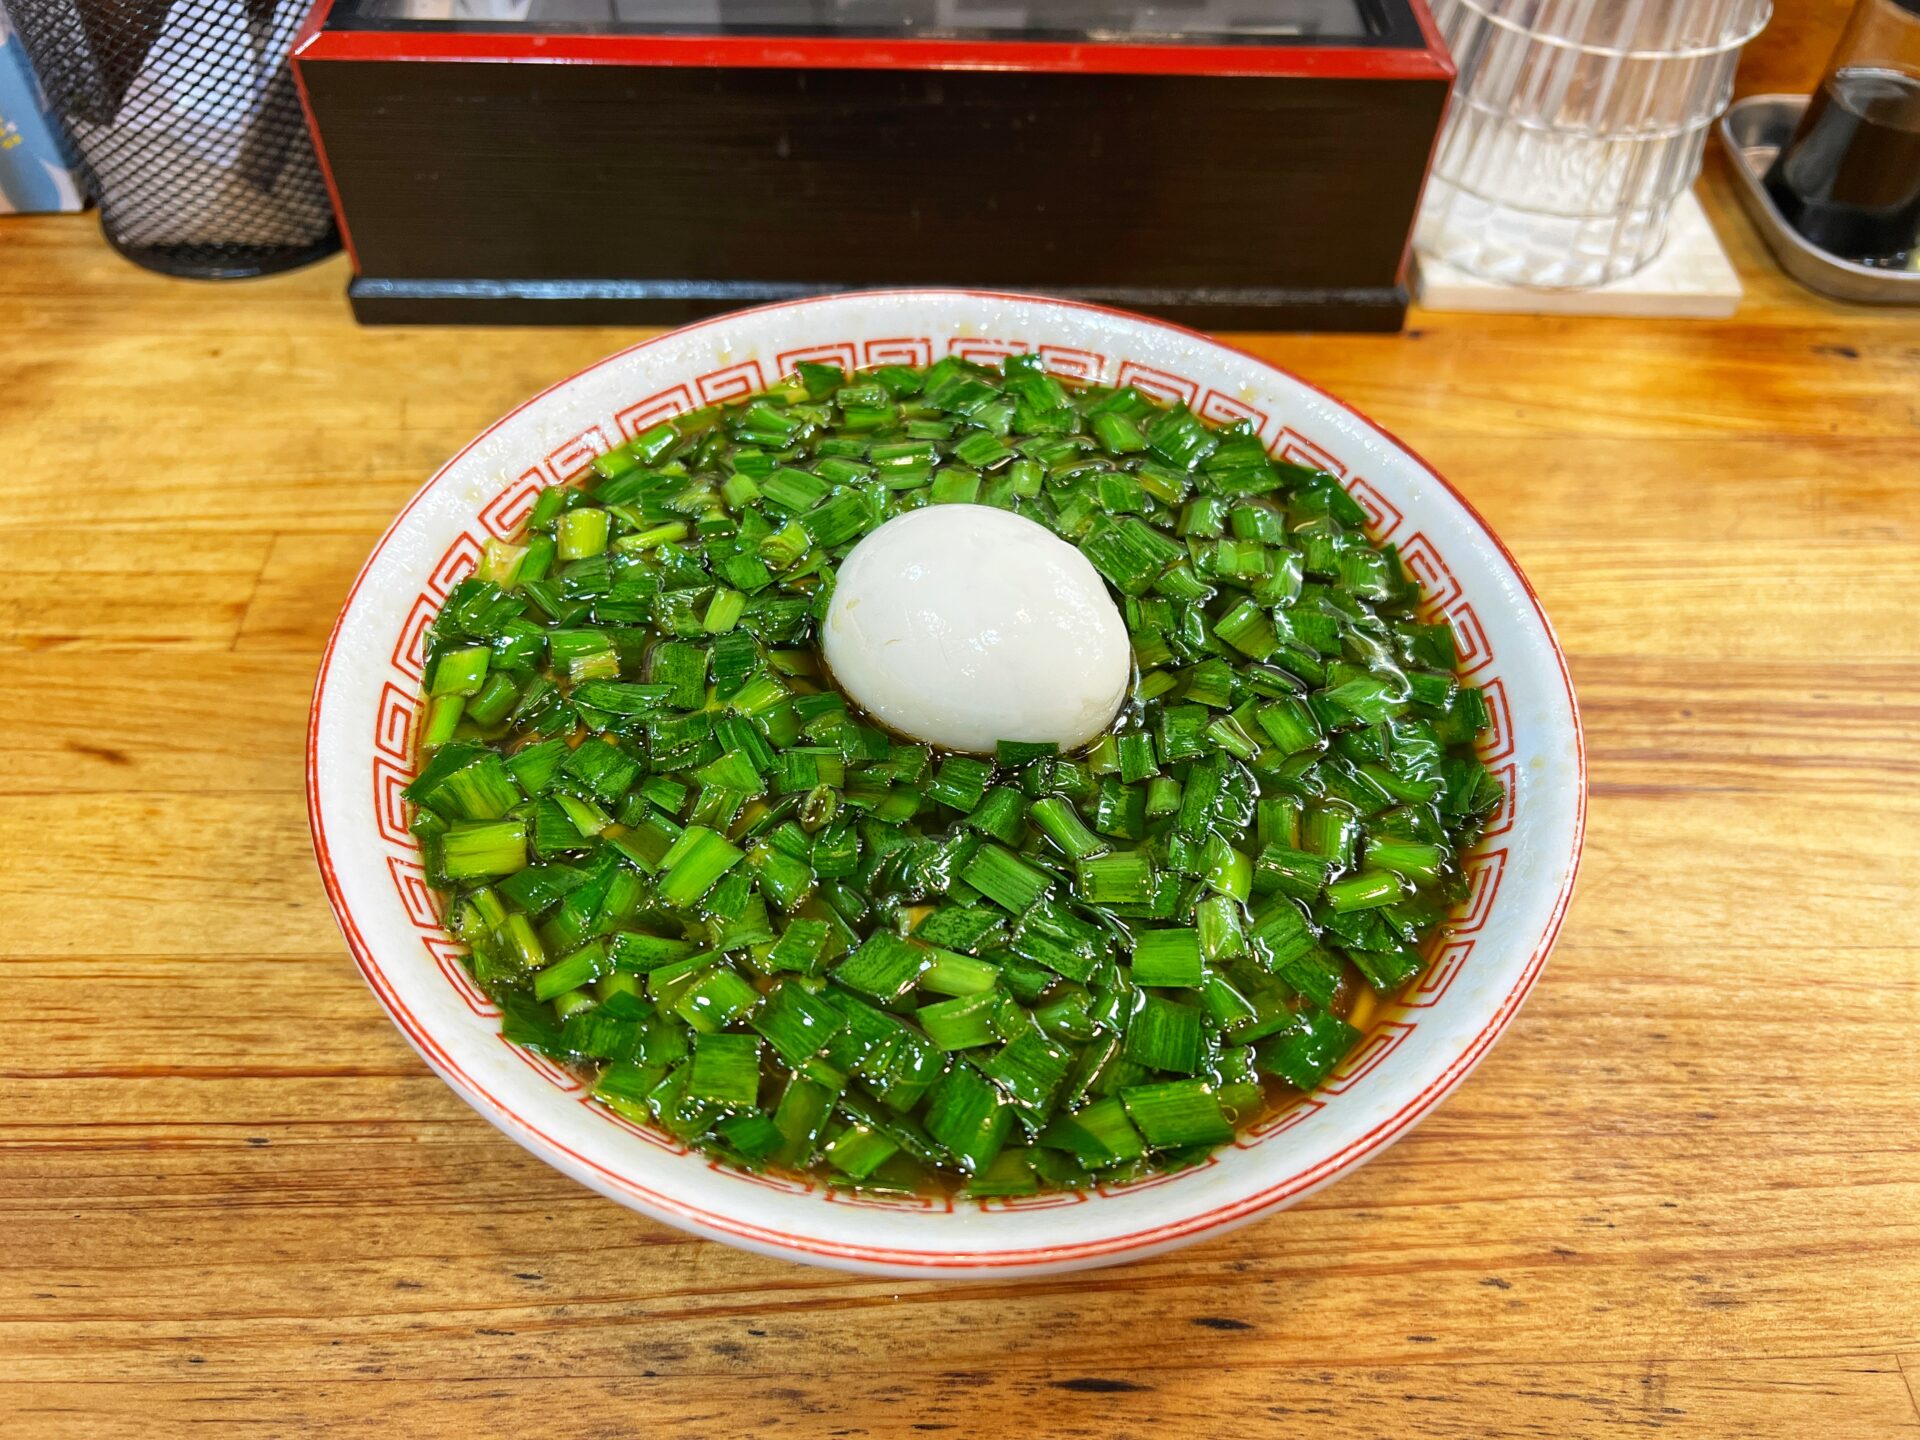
{"x":1683,"y":1195}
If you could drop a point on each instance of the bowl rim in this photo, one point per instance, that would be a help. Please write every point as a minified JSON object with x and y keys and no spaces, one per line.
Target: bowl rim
{"x":898,"y":1260}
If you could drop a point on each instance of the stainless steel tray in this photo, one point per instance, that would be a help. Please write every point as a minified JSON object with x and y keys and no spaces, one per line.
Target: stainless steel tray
{"x":1753,"y":130}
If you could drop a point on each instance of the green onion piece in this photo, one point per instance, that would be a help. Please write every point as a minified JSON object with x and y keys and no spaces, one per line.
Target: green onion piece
{"x":981,"y":450}
{"x":500,"y":563}
{"x":460,"y":672}
{"x":1411,"y":858}
{"x":538,"y":560}
{"x":1067,"y":1015}
{"x":1304,"y":1053}
{"x":1280,"y":933}
{"x":1291,"y":872}
{"x":967,"y":928}
{"x":697,"y":860}
{"x":820,"y":380}
{"x":1004,"y":878}
{"x":800,"y":1116}
{"x":952,"y":973}
{"x":966,"y":1116}
{"x":1029,"y":1069}
{"x":1059,"y":955}
{"x":1179,"y":1112}
{"x":1011,"y":1173}
{"x":1182,"y":732}
{"x":669,"y":533}
{"x":1247,"y":629}
{"x":840,"y":519}
{"x":580,"y":533}
{"x":1118,"y":435}
{"x":796,"y":1023}
{"x":618,"y":697}
{"x":1226,"y":1007}
{"x":885,"y":966}
{"x":1368,"y":890}
{"x":1168,"y":958}
{"x":582,"y":967}
{"x":961,"y":1023}
{"x":1001,"y":813}
{"x":783,"y":878}
{"x":1387,"y":970}
{"x":595,"y":1033}
{"x":1217,"y":919}
{"x":496,"y":699}
{"x":547,"y":506}
{"x":483,"y":851}
{"x":640,"y":953}
{"x":713,"y":1001}
{"x":1226,"y":871}
{"x":1164,"y":1035}
{"x":723,"y":611}
{"x":1331,"y":833}
{"x":752,"y":1134}
{"x":800,"y":947}
{"x":725,"y":1069}
{"x":1129,"y":553}
{"x":859,"y":1150}
{"x":1098,"y":1135}
{"x":1136,"y":757}
{"x":1060,"y":822}
{"x":835,"y":850}
{"x":1122,"y":878}
{"x":961,"y":781}
{"x":1012,"y":754}
{"x":464,"y":782}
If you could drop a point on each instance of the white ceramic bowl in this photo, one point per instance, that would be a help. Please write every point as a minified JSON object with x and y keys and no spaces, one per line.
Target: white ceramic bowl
{"x":365,"y":709}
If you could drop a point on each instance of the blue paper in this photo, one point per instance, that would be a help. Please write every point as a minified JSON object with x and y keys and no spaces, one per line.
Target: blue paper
{"x":36,"y":172}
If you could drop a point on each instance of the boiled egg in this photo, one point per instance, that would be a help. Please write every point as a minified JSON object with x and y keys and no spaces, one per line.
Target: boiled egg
{"x":965,"y":625}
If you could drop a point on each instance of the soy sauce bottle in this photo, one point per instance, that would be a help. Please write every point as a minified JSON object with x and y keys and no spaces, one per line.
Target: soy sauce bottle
{"x":1849,"y":179}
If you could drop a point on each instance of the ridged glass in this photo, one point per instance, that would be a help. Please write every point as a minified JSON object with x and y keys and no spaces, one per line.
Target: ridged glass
{"x":1575,"y":125}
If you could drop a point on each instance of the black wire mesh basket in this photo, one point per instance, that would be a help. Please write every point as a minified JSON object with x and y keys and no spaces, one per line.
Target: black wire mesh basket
{"x":189,"y":128}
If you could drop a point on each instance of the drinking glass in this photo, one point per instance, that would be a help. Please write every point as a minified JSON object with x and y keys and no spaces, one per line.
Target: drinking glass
{"x":1575,"y":125}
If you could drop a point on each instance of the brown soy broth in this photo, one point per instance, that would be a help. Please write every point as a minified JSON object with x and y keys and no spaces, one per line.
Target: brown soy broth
{"x":902,"y":1177}
{"x":1849,"y":179}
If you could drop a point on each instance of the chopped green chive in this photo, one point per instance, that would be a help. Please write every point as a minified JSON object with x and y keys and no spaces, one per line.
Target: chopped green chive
{"x":1169,"y":958}
{"x":473,"y":852}
{"x":1122,"y":878}
{"x":725,"y":1069}
{"x":1061,"y":823}
{"x":963,"y":1022}
{"x":697,"y":860}
{"x":1165,"y":1035}
{"x":681,"y":862}
{"x":1004,"y":878}
{"x":884,"y":967}
{"x":1177,"y":1113}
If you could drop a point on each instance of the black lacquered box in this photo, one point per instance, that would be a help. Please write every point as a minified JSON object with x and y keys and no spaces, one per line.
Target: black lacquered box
{"x":1228,"y":163}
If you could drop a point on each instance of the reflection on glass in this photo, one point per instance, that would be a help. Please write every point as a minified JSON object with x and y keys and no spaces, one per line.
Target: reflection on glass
{"x":1184,"y":20}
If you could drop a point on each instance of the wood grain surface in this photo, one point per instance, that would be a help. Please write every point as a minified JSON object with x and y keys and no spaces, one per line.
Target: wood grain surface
{"x":1790,"y":55}
{"x":1682,"y":1196}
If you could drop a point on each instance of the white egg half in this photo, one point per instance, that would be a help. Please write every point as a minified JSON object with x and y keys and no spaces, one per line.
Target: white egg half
{"x":964,"y":625}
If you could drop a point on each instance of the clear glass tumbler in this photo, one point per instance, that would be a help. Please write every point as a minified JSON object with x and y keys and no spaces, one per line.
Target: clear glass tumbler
{"x":1575,"y":125}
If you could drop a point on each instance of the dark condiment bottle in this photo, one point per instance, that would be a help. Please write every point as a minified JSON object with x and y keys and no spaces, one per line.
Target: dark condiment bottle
{"x":1849,"y":179}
